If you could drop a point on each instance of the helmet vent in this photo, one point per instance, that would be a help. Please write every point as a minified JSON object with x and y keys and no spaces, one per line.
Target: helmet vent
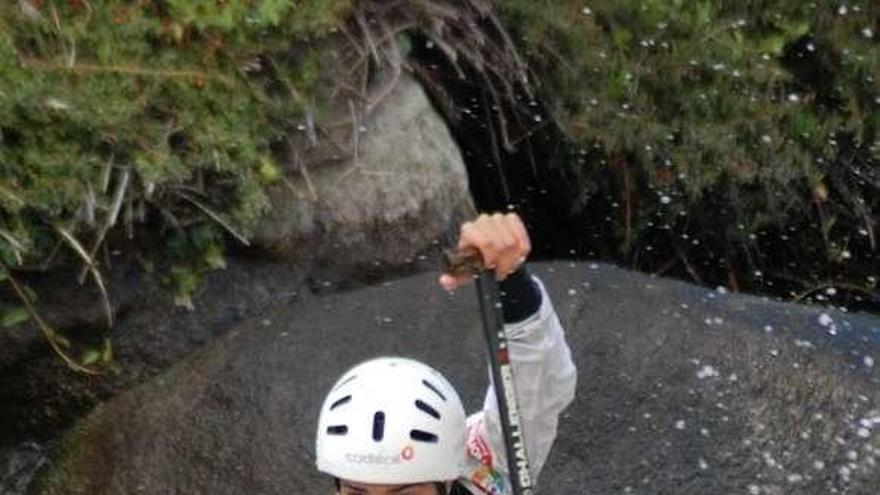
{"x":423,"y":436}
{"x":434,"y":389}
{"x":344,"y":400}
{"x":378,"y":426}
{"x":347,"y":380}
{"x":337,"y":430}
{"x":427,"y":409}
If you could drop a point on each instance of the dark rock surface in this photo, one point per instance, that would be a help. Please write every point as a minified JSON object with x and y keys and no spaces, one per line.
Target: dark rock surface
{"x":39,"y":395}
{"x":18,"y":464}
{"x":681,"y":390}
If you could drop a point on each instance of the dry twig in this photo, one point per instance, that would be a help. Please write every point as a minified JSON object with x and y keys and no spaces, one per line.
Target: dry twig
{"x":51,"y":335}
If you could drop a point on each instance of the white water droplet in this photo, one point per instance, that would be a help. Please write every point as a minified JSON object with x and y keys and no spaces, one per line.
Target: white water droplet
{"x":707,"y":371}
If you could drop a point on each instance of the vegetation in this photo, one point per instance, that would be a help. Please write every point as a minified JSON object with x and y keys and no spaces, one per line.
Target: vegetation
{"x":752,"y":126}
{"x":734,"y":134}
{"x":139,"y":117}
{"x":156,"y":127}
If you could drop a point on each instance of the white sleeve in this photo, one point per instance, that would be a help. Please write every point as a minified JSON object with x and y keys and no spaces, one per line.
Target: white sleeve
{"x":545,"y":380}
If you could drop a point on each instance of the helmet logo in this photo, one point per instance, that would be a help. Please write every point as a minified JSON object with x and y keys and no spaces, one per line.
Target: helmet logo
{"x":356,"y":458}
{"x":408,"y":453}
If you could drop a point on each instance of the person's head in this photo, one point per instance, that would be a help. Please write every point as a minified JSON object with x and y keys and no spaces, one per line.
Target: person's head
{"x":391,"y":426}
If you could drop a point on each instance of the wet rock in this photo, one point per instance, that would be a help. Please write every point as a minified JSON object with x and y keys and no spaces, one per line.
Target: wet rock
{"x":380,"y":187}
{"x":18,"y":464}
{"x":681,"y":390}
{"x":39,"y":395}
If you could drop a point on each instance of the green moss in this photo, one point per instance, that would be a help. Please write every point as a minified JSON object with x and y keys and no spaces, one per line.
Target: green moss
{"x":182,"y":95}
{"x":747,"y":106}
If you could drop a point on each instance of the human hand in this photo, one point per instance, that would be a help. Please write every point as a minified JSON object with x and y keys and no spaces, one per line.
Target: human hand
{"x":501,"y":240}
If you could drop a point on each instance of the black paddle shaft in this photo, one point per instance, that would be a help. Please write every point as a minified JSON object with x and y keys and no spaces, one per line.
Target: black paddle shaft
{"x":502,"y":379}
{"x":499,"y":364}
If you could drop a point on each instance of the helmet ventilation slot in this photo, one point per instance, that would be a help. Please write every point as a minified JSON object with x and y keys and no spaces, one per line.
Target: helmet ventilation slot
{"x":434,"y":389}
{"x":427,"y":409}
{"x":337,"y":430}
{"x":343,"y":382}
{"x":378,"y":426}
{"x":340,"y":402}
{"x":423,"y":436}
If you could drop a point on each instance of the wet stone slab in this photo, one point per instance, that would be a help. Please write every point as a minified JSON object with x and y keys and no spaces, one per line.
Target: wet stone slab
{"x":680,"y":390}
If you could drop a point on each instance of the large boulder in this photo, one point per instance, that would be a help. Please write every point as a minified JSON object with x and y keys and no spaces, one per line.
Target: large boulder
{"x":681,"y":390}
{"x":380,"y":188}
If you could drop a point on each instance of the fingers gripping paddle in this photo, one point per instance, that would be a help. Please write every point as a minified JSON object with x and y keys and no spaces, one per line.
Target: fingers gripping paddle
{"x":468,"y":262}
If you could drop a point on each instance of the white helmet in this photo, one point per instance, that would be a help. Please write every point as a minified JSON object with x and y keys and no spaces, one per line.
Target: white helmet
{"x":392,"y":421}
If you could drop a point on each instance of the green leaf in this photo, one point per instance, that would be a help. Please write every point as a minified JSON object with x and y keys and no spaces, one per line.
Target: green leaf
{"x":107,"y":353}
{"x":404,"y":44}
{"x":214,"y":258}
{"x":14,"y":316}
{"x":773,"y":44}
{"x":90,"y":357}
{"x":268,"y":171}
{"x":622,"y":38}
{"x":59,"y":339}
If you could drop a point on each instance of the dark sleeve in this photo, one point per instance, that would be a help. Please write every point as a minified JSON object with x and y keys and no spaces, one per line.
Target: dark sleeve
{"x":520,"y":298}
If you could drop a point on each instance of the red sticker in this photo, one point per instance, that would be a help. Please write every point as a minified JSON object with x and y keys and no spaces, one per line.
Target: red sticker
{"x":478,"y":448}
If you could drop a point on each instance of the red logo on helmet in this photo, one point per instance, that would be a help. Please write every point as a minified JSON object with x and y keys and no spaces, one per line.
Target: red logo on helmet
{"x":408,"y":453}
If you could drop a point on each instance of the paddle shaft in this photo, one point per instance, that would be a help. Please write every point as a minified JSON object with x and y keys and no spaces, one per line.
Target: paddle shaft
{"x":499,"y":365}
